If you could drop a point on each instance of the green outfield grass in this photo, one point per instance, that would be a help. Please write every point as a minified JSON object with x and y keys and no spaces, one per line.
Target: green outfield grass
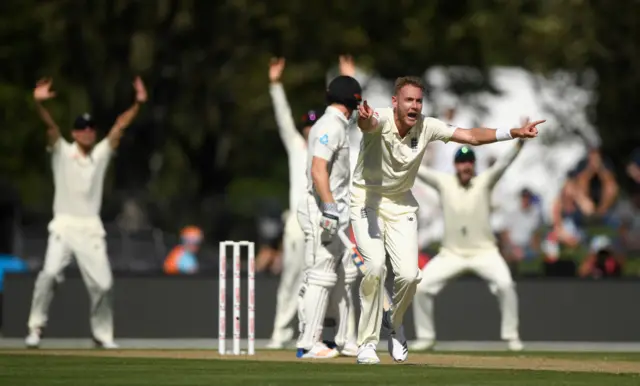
{"x":43,"y":370}
{"x":602,"y":356}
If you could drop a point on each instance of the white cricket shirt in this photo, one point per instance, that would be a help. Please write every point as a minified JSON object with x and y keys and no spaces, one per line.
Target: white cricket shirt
{"x":328,"y":140}
{"x":294,"y":144}
{"x":388,"y":164}
{"x":78,"y":182}
{"x":467,"y":210}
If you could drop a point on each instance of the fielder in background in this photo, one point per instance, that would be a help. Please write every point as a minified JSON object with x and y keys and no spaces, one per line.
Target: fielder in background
{"x":468,"y":244}
{"x":295,"y":143}
{"x":324,"y":211}
{"x":78,"y":173}
{"x":383,"y":209}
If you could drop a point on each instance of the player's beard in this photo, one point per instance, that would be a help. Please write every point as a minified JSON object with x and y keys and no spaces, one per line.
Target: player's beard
{"x":464,"y":176}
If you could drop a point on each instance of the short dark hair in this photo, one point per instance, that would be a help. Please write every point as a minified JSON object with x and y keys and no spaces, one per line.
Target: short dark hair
{"x":408,"y":80}
{"x":526,"y":192}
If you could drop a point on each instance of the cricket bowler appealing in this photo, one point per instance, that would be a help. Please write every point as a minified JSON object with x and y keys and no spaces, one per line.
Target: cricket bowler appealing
{"x":322,"y":212}
{"x":78,"y":173}
{"x":383,"y":209}
{"x":468,"y":244}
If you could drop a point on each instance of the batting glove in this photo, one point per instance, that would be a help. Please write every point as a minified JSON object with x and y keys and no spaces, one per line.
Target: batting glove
{"x":330,"y":216}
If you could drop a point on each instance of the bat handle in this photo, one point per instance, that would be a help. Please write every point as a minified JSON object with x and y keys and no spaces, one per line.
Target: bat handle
{"x":345,"y":240}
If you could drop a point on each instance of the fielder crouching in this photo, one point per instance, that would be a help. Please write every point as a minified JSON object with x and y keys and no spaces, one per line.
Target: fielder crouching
{"x":79,"y":169}
{"x":468,"y":244}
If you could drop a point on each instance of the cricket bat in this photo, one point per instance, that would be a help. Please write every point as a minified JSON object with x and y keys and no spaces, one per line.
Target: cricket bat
{"x":359,"y":262}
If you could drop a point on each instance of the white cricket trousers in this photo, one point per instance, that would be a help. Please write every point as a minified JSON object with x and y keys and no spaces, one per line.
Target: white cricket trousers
{"x":376,"y":236}
{"x":91,"y":255}
{"x":290,"y":280}
{"x":325,"y":278}
{"x":442,"y":268}
{"x":341,"y":302}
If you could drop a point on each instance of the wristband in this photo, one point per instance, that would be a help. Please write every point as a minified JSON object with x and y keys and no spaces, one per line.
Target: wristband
{"x":330,"y":207}
{"x":503,"y":135}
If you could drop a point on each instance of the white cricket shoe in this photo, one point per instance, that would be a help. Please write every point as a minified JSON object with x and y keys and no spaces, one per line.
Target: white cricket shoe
{"x":275,"y":345}
{"x":515,"y":345}
{"x":33,"y":339}
{"x":106,"y":345}
{"x":423,"y":344}
{"x":367,"y":355}
{"x":318,"y":351}
{"x":349,"y":350}
{"x":398,"y":345}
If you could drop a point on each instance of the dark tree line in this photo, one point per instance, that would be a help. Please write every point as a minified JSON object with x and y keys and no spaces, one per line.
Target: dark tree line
{"x":207,"y":135}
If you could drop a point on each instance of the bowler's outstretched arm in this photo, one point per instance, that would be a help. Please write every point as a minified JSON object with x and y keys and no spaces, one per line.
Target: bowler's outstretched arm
{"x":481,"y":136}
{"x":367,"y":118}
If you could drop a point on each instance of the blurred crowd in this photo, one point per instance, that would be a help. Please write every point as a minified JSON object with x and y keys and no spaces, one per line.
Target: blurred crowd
{"x":594,"y":229}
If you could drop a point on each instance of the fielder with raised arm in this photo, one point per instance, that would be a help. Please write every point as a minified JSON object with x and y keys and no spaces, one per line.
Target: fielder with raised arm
{"x":383,"y":210}
{"x":468,"y":244}
{"x":295,"y":143}
{"x":323,"y":211}
{"x":78,"y":173}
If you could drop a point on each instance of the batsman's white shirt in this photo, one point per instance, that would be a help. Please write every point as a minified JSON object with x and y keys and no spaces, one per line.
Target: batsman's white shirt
{"x":294,"y":144}
{"x":467,"y":209}
{"x":388,"y":164}
{"x":328,"y":140}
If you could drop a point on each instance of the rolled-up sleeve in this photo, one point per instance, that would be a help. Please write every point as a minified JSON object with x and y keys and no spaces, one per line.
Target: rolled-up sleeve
{"x":440,"y":131}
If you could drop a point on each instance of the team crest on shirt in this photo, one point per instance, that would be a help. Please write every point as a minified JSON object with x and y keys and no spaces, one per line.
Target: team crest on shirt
{"x":324,"y":139}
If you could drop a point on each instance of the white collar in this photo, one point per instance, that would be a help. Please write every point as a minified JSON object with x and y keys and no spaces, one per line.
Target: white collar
{"x":334,"y":111}
{"x":78,"y":154}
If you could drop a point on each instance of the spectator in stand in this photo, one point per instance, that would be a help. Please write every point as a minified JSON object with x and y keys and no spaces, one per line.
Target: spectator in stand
{"x":182,"y":260}
{"x":629,"y":213}
{"x":596,"y":181}
{"x":601,"y":261}
{"x":521,"y":227}
{"x":570,"y":211}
